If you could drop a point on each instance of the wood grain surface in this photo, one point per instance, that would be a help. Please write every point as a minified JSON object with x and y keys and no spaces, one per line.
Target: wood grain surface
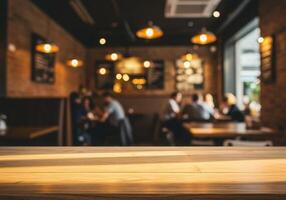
{"x":142,"y":173}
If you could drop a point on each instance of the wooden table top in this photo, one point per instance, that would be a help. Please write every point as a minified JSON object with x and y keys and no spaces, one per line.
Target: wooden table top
{"x":26,"y":133}
{"x":142,"y":172}
{"x":225,"y":130}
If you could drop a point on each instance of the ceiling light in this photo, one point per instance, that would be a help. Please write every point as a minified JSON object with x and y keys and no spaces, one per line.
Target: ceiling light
{"x":139,"y":87}
{"x":113,"y":56}
{"x":260,"y":40}
{"x":47,"y":48}
{"x":139,"y":81}
{"x":187,"y":64}
{"x":204,"y":37}
{"x":118,"y":76}
{"x":75,"y":63}
{"x":102,"y":41}
{"x":216,"y":14}
{"x":117,"y":88}
{"x":189,"y":57}
{"x":147,"y":64}
{"x":150,"y":32}
{"x":102,"y":71}
{"x":125,"y":77}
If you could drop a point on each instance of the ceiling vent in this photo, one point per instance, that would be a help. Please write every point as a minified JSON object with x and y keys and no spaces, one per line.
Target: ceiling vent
{"x":190,"y":8}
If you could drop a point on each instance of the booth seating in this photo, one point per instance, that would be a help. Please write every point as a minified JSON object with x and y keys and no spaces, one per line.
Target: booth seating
{"x":32,"y":116}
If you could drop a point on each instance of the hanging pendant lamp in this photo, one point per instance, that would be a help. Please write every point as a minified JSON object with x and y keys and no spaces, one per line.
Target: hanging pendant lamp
{"x":75,"y":63}
{"x":150,"y":32}
{"x":204,"y":37}
{"x":47,"y":47}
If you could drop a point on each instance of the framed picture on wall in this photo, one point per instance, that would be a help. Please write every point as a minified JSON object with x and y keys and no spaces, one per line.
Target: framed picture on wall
{"x":43,"y":64}
{"x":156,"y":75}
{"x":267,"y":51}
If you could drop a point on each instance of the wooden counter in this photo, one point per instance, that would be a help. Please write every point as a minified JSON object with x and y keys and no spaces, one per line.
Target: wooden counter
{"x":142,"y":173}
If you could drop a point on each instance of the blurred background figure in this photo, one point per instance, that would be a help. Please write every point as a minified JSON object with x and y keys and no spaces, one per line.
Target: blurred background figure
{"x":76,"y":113}
{"x":172,"y":110}
{"x":198,"y":111}
{"x":209,"y":100}
{"x":116,"y":120}
{"x":229,"y":108}
{"x":171,"y":119}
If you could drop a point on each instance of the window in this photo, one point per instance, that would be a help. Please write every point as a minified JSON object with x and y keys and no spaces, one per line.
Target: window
{"x":242,"y":64}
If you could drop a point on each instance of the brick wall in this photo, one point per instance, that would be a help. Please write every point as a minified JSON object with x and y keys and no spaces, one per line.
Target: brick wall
{"x":273,"y":96}
{"x":25,"y":19}
{"x":169,"y":55}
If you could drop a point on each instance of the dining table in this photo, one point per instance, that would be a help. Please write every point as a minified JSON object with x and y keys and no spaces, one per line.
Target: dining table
{"x":226,"y":130}
{"x":105,"y":173}
{"x":29,"y":133}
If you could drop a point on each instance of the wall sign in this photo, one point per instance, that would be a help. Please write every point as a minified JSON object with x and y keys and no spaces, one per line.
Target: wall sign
{"x":267,"y":51}
{"x":43,"y":65}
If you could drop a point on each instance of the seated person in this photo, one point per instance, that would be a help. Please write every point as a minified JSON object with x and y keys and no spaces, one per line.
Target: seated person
{"x":116,"y":120}
{"x":209,"y":100}
{"x":85,"y":124}
{"x":197,"y":111}
{"x":171,"y":119}
{"x":172,"y":110}
{"x":230,"y":108}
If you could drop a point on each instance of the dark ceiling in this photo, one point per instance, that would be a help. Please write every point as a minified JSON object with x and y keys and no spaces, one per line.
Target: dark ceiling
{"x":113,"y":19}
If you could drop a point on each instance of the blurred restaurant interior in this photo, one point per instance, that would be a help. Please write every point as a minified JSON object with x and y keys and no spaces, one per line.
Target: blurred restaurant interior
{"x":142,"y":73}
{"x":142,"y":99}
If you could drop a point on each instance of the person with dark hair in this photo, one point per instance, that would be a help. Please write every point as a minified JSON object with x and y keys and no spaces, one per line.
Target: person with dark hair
{"x":116,"y":119}
{"x":171,"y":119}
{"x":197,"y":111}
{"x":76,"y":114}
{"x":172,"y":109}
{"x":231,"y":109}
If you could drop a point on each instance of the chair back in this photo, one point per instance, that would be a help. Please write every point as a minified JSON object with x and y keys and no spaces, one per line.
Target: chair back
{"x":248,"y":143}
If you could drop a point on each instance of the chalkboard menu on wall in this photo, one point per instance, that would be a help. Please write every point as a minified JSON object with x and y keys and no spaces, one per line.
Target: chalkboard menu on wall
{"x":43,"y":64}
{"x":267,"y":50}
{"x":156,"y":75}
